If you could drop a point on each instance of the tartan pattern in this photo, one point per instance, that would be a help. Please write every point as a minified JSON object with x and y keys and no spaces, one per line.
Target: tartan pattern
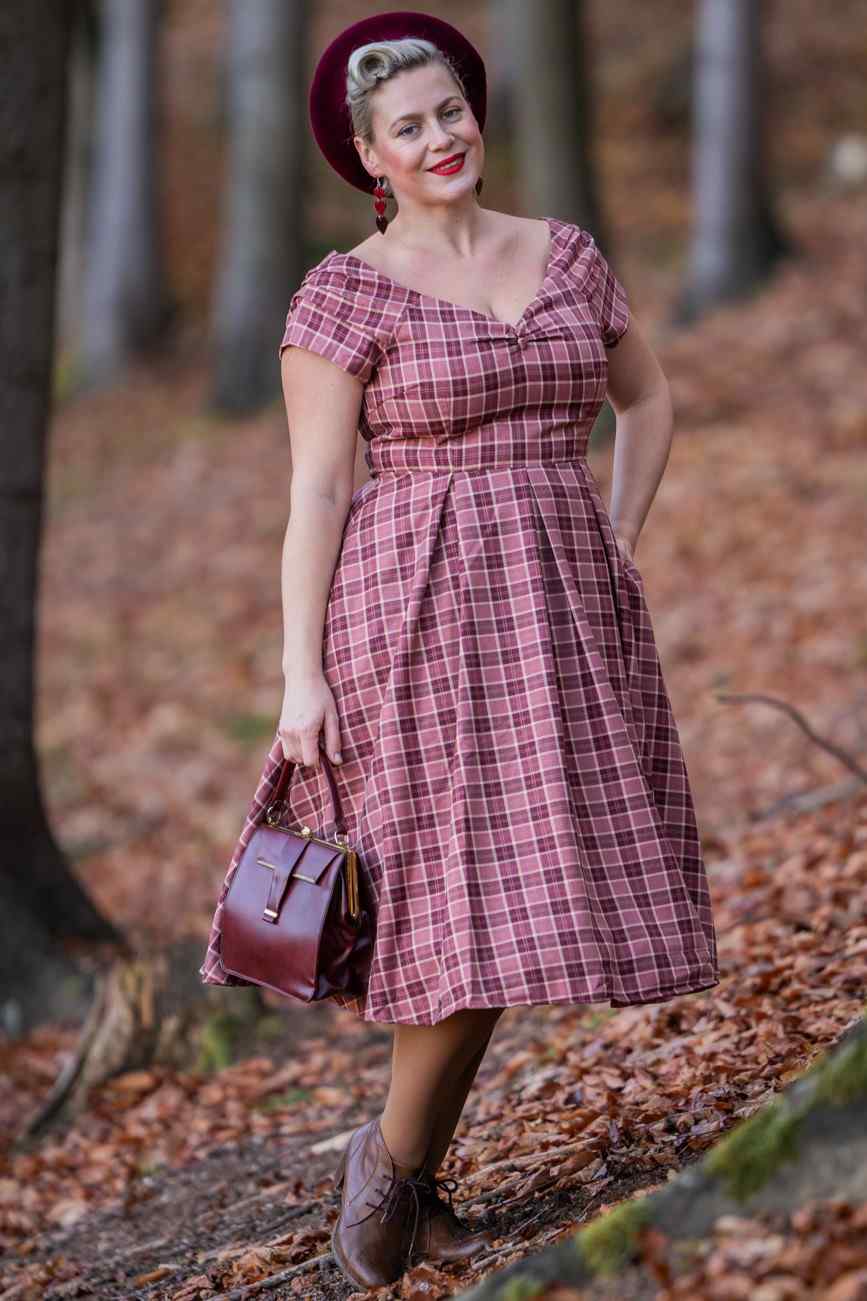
{"x":513,"y":777}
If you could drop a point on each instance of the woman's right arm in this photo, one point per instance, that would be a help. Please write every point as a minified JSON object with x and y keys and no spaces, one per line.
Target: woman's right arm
{"x":323,"y":403}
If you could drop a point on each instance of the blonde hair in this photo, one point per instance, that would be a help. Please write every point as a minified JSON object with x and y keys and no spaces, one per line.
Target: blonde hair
{"x":377,"y":61}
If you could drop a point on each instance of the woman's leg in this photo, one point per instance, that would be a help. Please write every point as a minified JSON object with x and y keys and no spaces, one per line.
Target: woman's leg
{"x":427,"y":1062}
{"x":449,"y":1112}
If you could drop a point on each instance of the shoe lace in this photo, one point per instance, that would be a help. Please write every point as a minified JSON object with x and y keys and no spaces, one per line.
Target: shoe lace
{"x":448,"y":1185}
{"x":400,"y":1185}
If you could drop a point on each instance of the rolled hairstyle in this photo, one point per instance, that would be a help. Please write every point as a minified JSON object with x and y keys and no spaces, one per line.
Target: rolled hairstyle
{"x":377,"y":61}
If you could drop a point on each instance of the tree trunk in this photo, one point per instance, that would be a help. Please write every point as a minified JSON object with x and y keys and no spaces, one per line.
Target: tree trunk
{"x":39,"y":898}
{"x":553,"y":122}
{"x":501,"y":76}
{"x":809,"y":1143}
{"x":125,"y":302}
{"x":152,"y":1010}
{"x":78,"y":169}
{"x":262,"y":249}
{"x":736,"y":238}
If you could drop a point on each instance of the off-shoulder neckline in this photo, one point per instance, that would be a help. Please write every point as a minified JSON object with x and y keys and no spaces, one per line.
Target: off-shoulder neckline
{"x":556,"y":228}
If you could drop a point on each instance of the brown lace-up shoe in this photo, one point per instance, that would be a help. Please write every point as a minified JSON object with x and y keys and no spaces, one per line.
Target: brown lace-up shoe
{"x":375,"y":1233}
{"x":441,"y":1235}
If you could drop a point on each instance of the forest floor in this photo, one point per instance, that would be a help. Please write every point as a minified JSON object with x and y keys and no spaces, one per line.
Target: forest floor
{"x":183,"y":1185}
{"x":159,"y":682}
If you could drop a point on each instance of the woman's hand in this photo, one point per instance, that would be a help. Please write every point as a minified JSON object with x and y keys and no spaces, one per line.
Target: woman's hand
{"x":308,"y":704}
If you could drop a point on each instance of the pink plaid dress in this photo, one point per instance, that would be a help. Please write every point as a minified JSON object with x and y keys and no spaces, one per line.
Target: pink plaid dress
{"x":513,"y":778}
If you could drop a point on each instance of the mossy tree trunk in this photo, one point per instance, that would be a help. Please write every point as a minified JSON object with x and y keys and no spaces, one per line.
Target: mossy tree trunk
{"x":809,"y":1143}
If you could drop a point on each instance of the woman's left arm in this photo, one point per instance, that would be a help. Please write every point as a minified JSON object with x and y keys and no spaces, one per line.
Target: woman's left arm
{"x":641,"y":398}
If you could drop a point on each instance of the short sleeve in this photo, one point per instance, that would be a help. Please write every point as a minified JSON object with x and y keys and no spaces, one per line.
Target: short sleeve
{"x":607,"y":296}
{"x":331,"y":316}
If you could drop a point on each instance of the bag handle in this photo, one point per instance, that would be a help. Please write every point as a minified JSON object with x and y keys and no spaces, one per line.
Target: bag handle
{"x":282,"y":785}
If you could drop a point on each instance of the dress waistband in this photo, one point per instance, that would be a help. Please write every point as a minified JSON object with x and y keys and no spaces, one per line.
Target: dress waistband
{"x":575,"y":462}
{"x":400,"y":456}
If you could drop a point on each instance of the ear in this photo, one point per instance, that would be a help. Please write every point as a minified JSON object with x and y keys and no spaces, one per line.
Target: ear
{"x":368,"y":158}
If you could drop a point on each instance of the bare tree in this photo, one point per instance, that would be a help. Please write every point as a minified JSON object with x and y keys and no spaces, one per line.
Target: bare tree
{"x":41,"y":902}
{"x":262,"y":246}
{"x":78,"y":168}
{"x":736,"y":238}
{"x":553,"y":118}
{"x":126,"y":305}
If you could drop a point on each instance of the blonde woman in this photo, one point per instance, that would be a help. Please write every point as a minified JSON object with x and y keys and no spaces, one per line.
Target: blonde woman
{"x":467,"y":634}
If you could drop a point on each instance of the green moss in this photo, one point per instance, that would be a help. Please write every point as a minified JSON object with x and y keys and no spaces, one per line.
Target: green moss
{"x":606,"y":1244}
{"x":744,"y":1160}
{"x":592,"y":1020}
{"x":841,"y":1079}
{"x":217,"y":1039}
{"x":271,"y":1026}
{"x":280,"y":1101}
{"x":248,"y":729}
{"x":521,"y":1289}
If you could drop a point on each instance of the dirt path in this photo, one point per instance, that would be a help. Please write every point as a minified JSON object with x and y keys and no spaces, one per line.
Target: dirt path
{"x":253,"y":1208}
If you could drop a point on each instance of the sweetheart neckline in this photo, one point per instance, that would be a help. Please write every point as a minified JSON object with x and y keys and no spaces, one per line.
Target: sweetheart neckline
{"x":513,"y":326}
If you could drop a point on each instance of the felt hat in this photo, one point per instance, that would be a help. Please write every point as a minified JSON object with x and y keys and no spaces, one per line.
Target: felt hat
{"x":329,"y":114}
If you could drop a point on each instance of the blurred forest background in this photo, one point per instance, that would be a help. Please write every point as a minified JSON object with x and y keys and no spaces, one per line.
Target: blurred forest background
{"x":162,"y":198}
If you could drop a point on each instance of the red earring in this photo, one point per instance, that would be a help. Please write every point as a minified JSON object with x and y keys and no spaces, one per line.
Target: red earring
{"x":379,"y":205}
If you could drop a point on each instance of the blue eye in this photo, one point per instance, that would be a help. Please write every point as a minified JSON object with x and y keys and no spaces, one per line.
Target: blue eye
{"x":455,"y":109}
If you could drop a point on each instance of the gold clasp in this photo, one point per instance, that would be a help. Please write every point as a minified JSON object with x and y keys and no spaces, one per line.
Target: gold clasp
{"x":350,"y":859}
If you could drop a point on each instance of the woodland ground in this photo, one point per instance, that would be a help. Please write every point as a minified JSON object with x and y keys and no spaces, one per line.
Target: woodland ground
{"x":159,"y":679}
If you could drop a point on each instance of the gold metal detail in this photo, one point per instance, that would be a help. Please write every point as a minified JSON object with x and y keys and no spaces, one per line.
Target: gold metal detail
{"x":350,"y":860}
{"x":272,"y":813}
{"x":293,"y":876}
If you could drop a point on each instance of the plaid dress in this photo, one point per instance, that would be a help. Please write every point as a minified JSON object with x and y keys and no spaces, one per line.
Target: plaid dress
{"x":512,"y":774}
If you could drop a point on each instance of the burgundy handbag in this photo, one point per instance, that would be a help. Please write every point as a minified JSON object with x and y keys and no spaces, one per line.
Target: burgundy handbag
{"x":294,"y":917}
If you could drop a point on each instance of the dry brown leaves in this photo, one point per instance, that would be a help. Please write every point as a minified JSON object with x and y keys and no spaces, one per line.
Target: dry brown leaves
{"x":159,"y":683}
{"x":817,"y":1253}
{"x":570,"y":1097}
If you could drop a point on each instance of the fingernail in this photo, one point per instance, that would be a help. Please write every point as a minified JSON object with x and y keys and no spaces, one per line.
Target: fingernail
{"x":338,"y":757}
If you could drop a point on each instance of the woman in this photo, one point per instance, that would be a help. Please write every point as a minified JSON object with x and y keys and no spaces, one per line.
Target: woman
{"x":468,"y":630}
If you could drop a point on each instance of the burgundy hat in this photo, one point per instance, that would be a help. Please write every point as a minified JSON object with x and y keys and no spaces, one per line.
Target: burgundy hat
{"x":329,"y":114}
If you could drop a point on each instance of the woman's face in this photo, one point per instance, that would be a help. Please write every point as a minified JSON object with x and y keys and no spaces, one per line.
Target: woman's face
{"x":420,"y":119}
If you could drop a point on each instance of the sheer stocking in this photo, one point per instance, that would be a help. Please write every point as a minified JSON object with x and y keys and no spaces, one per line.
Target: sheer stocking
{"x":449,"y":1110}
{"x":428,"y":1063}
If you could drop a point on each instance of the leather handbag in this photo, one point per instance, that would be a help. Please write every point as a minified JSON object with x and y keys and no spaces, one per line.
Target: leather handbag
{"x":294,"y":917}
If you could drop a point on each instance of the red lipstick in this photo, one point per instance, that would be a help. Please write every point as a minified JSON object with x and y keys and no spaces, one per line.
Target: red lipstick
{"x":449,"y":165}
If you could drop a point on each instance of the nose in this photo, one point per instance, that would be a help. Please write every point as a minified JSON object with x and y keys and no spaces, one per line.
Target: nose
{"x":441,"y":136}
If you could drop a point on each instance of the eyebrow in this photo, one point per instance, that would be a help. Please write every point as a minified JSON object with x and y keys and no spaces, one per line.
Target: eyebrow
{"x":406,"y":115}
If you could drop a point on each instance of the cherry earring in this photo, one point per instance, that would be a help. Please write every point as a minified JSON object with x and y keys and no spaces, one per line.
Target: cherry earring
{"x":379,"y":205}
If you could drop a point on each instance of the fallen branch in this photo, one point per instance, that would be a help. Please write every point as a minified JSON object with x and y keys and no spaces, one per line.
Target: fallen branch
{"x":274,"y":1280}
{"x":68,"y":1076}
{"x":809,"y":801}
{"x":844,"y":757}
{"x":545,"y":1156}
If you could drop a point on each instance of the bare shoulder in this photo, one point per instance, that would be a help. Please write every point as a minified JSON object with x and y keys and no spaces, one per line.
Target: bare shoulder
{"x":527,"y":234}
{"x":508,"y":235}
{"x":367,"y":250}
